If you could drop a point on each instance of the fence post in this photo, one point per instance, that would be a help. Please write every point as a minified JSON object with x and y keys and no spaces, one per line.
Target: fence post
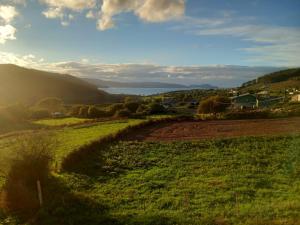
{"x":40,"y":195}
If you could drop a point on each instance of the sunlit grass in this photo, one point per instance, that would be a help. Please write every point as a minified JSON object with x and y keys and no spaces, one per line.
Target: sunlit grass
{"x":237,"y":181}
{"x":62,"y":121}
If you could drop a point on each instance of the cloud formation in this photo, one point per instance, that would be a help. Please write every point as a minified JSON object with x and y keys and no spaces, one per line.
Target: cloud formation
{"x":59,"y":9}
{"x":7,"y":13}
{"x":147,"y":10}
{"x":276,"y":44}
{"x":220,"y":75}
{"x":7,"y":31}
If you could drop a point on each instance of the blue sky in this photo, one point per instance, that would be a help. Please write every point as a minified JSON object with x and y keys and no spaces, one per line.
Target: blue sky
{"x":68,"y":35}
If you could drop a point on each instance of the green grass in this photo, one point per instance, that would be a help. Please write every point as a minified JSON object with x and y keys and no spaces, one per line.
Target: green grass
{"x":61,"y":121}
{"x":236,"y":181}
{"x":67,"y":139}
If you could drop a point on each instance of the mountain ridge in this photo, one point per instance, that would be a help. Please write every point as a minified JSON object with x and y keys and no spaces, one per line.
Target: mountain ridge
{"x":27,"y":86}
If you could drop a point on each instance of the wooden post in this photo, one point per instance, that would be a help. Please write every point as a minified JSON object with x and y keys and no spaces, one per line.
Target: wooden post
{"x":237,"y":204}
{"x":40,"y":195}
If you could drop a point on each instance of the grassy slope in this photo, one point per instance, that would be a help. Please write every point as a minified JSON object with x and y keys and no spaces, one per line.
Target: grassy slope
{"x":68,"y":139}
{"x":277,"y":81}
{"x":238,"y":181}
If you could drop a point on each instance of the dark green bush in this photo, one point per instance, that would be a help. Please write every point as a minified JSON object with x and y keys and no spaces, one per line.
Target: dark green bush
{"x":94,"y":112}
{"x":40,"y":114}
{"x":114,"y":108}
{"x":84,"y":111}
{"x":74,"y":111}
{"x":123,"y":113}
{"x":214,"y":104}
{"x":51,"y":104}
{"x":156,"y":108}
{"x":132,"y":106}
{"x":31,"y":164}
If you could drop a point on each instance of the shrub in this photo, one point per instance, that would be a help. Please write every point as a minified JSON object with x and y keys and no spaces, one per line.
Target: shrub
{"x":94,"y":112}
{"x":51,"y":104}
{"x":31,"y":164}
{"x":39,"y":114}
{"x":156,"y":108}
{"x":214,"y":104}
{"x":115,"y":107}
{"x":142,"y":110}
{"x":74,"y":111}
{"x":132,"y":106}
{"x":123,"y":113}
{"x":83,"y":111}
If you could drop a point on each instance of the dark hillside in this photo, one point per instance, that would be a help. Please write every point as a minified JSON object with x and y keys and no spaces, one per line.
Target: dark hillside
{"x":28,"y":86}
{"x":276,"y":81}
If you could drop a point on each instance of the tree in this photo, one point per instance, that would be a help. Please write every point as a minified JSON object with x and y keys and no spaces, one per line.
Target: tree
{"x":83,"y":112}
{"x":51,"y":104}
{"x":156,"y":108}
{"x":132,"y":106}
{"x":94,"y":112}
{"x":214,"y":104}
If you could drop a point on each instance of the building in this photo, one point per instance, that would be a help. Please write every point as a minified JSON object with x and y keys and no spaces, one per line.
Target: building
{"x":245,"y":101}
{"x":295,"y":98}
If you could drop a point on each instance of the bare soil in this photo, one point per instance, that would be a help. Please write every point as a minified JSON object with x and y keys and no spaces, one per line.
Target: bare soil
{"x":194,"y":130}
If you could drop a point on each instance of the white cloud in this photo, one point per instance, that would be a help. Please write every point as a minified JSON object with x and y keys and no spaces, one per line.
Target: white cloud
{"x":7,"y":32}
{"x":163,"y":10}
{"x":75,"y":5}
{"x":220,"y":75}
{"x":147,"y":10}
{"x":53,"y":13}
{"x":7,"y":13}
{"x":275,"y":44}
{"x":91,"y":15}
{"x":14,"y":2}
{"x":58,"y":9}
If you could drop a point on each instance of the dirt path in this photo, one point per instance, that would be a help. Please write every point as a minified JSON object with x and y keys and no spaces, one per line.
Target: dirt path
{"x":193,"y":130}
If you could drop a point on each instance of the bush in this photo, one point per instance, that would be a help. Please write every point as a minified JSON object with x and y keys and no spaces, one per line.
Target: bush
{"x":114,"y":108}
{"x":123,"y":113}
{"x":156,"y":108}
{"x":74,"y":111}
{"x":31,"y":164}
{"x":14,"y":113}
{"x":83,"y":111}
{"x":132,"y":106}
{"x":214,"y":104}
{"x":39,"y":114}
{"x":51,"y":104}
{"x":94,"y":112}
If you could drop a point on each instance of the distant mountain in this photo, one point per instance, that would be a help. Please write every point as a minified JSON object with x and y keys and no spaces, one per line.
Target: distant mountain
{"x":203,"y":86}
{"x":280,"y":80}
{"x":114,"y":84}
{"x":28,"y":86}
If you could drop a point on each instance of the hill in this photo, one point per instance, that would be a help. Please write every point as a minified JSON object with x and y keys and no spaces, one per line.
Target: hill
{"x":276,"y":81}
{"x":21,"y":85}
{"x":115,"y":84}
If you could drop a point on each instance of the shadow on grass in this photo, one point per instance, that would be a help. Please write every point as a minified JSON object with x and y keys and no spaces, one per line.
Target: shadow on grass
{"x":62,"y":206}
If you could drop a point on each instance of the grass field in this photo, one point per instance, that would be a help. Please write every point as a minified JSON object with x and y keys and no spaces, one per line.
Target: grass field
{"x":68,"y":139}
{"x":234,"y":181}
{"x":62,"y":122}
{"x":250,"y":180}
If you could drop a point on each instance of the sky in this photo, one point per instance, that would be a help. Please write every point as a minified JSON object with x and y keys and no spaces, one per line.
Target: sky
{"x":220,"y":42}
